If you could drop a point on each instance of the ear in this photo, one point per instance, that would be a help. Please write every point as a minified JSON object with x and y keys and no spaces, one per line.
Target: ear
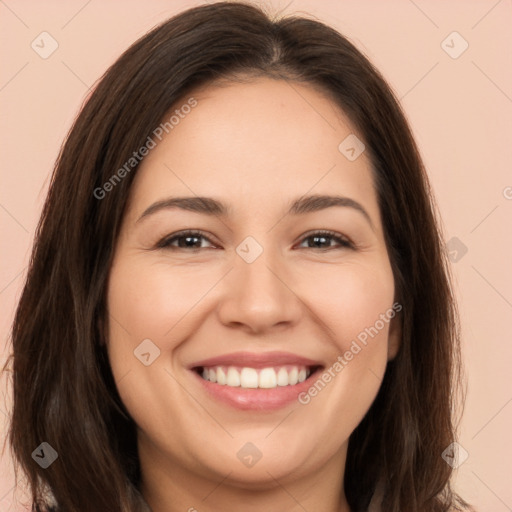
{"x":394,"y":336}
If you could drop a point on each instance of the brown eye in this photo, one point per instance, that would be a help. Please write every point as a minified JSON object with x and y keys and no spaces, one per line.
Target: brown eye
{"x":184,"y":240}
{"x":323,"y":239}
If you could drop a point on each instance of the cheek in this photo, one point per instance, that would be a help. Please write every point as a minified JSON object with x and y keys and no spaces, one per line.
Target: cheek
{"x":152,"y":310}
{"x":351,"y":298}
{"x":148,"y":301}
{"x":356,"y":303}
{"x":142,"y":307}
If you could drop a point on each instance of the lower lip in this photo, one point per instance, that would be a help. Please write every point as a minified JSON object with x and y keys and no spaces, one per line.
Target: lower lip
{"x":250,"y":399}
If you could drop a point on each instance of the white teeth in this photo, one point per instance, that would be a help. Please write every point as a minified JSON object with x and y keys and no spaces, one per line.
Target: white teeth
{"x":233,"y":378}
{"x":282,"y":377}
{"x":221,"y":376}
{"x":268,"y":378}
{"x":251,"y":378}
{"x":293,"y":376}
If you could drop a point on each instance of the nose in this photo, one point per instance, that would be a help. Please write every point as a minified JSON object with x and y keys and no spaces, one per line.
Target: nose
{"x":259,"y":296}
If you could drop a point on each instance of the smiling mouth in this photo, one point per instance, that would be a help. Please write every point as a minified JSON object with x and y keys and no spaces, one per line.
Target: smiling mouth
{"x":256,"y":378}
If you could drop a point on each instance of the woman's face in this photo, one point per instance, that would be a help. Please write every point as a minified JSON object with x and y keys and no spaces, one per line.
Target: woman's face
{"x":259,"y":299}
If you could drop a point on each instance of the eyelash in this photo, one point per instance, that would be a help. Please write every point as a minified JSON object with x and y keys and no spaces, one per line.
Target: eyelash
{"x":165,"y":243}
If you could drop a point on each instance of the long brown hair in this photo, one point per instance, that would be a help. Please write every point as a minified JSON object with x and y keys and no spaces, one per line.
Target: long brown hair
{"x":64,"y":392}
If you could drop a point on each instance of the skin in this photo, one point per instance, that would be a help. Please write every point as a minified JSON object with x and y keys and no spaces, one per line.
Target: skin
{"x":255,"y":146}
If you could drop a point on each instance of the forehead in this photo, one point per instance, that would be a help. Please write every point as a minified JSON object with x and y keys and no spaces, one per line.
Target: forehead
{"x":244,"y":140}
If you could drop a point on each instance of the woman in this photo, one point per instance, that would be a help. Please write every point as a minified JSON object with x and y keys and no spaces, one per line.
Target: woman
{"x":238,"y":295}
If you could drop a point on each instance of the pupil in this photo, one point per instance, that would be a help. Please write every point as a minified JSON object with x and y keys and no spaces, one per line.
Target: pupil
{"x":187,"y":241}
{"x":316,"y":238}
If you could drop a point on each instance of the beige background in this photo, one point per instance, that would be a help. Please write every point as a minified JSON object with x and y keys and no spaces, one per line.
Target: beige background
{"x":461,"y":113}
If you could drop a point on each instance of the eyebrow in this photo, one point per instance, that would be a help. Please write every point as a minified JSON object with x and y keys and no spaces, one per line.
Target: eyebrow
{"x":210,"y":206}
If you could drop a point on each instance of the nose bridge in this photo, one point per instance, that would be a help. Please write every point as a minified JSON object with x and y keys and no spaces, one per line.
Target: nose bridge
{"x":257,"y":294}
{"x":253,"y":264}
{"x":255,"y":270}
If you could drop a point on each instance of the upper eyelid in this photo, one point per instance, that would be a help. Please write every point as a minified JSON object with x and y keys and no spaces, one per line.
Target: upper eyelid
{"x":189,"y":232}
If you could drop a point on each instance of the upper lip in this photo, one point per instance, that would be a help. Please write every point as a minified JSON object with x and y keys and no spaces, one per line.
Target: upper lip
{"x":256,"y":360}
